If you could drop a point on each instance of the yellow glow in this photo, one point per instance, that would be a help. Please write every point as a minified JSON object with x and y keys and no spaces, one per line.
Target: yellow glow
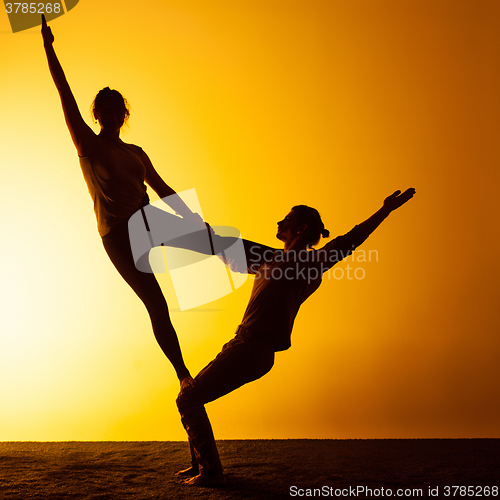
{"x":261,"y":106}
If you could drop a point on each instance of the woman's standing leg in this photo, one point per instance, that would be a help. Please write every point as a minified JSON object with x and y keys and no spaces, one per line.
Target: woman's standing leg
{"x":117,"y":246}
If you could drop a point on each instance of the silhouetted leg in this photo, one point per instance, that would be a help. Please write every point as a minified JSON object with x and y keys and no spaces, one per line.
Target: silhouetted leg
{"x":240,"y":361}
{"x":201,"y":439}
{"x":117,"y":246}
{"x":193,"y":470}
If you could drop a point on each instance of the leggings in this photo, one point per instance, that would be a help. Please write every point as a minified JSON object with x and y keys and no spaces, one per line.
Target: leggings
{"x":117,"y":246}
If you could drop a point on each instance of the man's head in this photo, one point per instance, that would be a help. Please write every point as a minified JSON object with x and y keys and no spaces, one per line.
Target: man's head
{"x":303,"y":224}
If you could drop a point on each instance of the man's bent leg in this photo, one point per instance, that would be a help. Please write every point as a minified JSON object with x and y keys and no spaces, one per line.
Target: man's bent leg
{"x":240,"y":361}
{"x":195,"y":420}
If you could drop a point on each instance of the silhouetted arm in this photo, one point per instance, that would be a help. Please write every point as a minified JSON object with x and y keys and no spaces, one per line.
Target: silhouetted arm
{"x":83,"y":136}
{"x":257,"y":254}
{"x":342,"y":246}
{"x":163,"y":190}
{"x":247,"y":262}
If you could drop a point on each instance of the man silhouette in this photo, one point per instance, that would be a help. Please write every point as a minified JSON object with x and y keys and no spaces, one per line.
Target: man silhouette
{"x":283,"y":280}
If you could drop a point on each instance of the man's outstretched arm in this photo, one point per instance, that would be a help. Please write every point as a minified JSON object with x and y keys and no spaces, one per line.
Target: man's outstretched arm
{"x":341,"y":247}
{"x":391,"y":203}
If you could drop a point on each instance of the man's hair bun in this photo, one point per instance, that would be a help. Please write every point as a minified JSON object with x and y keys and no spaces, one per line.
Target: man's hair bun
{"x":311,"y":218}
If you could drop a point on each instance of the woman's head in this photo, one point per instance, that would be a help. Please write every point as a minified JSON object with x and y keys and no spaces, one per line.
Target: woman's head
{"x":310,"y":221}
{"x":111,"y":109}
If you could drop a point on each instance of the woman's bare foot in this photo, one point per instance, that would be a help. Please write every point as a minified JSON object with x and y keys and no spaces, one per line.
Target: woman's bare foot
{"x":205,"y":480}
{"x":191,"y":471}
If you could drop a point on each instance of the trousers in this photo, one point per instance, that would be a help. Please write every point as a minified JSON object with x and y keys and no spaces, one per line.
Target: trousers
{"x":242,"y":360}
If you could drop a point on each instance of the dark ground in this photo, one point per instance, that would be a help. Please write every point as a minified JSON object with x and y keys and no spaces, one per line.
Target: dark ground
{"x":255,"y":469}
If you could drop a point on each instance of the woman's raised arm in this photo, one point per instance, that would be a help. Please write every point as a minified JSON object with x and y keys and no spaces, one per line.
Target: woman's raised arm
{"x":83,"y":136}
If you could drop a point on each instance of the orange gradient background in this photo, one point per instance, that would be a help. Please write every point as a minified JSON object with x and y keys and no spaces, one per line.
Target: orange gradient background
{"x":260,"y":106}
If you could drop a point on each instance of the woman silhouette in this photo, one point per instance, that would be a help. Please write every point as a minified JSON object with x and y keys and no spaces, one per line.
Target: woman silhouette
{"x":115,"y":173}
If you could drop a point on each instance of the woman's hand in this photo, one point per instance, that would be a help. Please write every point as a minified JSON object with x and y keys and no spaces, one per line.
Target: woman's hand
{"x":187,"y":383}
{"x":397,"y":199}
{"x":48,"y":37}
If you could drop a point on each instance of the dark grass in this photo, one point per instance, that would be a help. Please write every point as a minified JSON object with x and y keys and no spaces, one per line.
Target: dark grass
{"x":255,"y":469}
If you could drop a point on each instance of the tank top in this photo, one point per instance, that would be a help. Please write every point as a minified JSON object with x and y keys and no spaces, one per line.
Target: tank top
{"x":114,"y":173}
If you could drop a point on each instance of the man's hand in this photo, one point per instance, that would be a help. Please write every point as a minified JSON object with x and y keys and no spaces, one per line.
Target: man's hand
{"x":397,"y":199}
{"x":48,"y":37}
{"x":187,"y":384}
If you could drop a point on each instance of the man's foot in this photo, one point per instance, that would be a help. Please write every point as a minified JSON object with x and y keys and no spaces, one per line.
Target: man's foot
{"x":191,"y":471}
{"x":205,"y":480}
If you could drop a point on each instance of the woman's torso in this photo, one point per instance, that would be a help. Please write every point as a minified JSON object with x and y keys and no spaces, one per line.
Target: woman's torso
{"x":114,"y":173}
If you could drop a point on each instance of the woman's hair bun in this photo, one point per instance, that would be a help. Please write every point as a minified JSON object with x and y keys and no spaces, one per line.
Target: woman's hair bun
{"x":325,"y":233}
